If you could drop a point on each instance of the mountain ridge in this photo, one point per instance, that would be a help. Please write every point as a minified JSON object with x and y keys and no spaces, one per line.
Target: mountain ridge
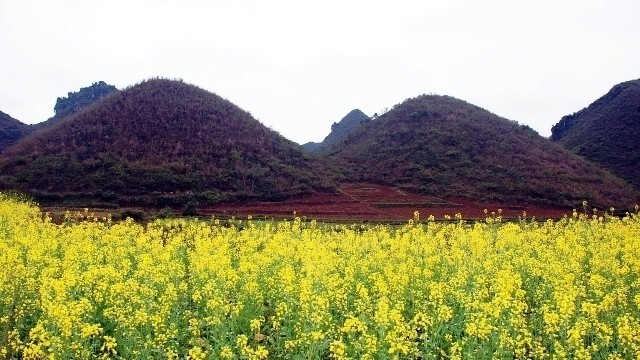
{"x":76,"y":101}
{"x":11,"y":133}
{"x":163,"y":142}
{"x":339,"y":132}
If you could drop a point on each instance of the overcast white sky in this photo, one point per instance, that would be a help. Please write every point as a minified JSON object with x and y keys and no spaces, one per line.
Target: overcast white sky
{"x":299,"y":66}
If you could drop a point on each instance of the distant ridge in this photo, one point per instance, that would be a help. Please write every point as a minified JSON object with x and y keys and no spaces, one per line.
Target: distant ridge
{"x":161,"y":142}
{"x":310,"y":146}
{"x":607,"y":132}
{"x":11,"y":130}
{"x":443,"y":146}
{"x":76,"y":101}
{"x":339,"y":132}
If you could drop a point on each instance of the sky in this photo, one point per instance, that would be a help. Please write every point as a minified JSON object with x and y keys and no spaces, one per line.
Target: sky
{"x":299,"y":66}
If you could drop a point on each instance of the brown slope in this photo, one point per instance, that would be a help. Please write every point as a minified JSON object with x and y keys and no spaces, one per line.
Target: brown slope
{"x":607,"y":132}
{"x":160,"y":142}
{"x":442,"y":146}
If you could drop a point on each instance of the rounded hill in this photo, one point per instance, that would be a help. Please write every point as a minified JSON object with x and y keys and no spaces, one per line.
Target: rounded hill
{"x":440,"y":145}
{"x":607,"y":132}
{"x":161,"y":142}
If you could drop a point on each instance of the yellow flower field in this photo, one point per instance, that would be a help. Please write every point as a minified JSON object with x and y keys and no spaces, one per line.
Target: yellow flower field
{"x":243,"y":289}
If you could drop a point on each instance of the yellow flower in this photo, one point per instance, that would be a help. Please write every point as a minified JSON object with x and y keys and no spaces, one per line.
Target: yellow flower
{"x":226,"y":352}
{"x":256,"y":324}
{"x":196,"y":353}
{"x":109,"y":345}
{"x":89,"y":330}
{"x":337,"y":350}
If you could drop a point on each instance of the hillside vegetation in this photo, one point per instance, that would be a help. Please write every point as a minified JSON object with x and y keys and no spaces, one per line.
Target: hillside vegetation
{"x":439,"y":145}
{"x":11,"y":130}
{"x":160,"y":142}
{"x":607,"y":132}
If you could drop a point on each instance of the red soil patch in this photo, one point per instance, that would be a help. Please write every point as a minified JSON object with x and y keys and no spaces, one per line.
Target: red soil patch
{"x":361,"y":202}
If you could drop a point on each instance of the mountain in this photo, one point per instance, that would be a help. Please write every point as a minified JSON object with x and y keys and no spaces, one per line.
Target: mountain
{"x":159,"y":143}
{"x":76,"y":100}
{"x":11,"y":130}
{"x":443,"y":146}
{"x":311,"y":146}
{"x":339,"y":132}
{"x":607,"y":132}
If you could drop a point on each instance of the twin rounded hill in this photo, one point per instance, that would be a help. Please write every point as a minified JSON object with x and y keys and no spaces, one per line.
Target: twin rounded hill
{"x":164,"y":142}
